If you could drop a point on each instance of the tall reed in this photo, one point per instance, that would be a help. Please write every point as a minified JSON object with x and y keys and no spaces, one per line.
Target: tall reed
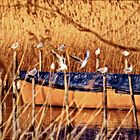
{"x":80,"y":25}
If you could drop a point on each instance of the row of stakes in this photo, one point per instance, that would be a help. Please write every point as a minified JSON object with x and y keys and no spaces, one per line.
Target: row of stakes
{"x":63,"y":67}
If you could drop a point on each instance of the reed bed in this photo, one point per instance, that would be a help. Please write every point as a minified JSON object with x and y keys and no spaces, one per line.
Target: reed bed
{"x":55,"y":127}
{"x":112,"y":26}
{"x":81,"y":25}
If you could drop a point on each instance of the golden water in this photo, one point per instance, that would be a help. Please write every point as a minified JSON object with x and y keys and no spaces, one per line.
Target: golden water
{"x":79,"y":118}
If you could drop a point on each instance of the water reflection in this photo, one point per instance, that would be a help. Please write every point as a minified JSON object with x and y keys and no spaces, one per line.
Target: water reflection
{"x":82,"y":116}
{"x":87,"y":121}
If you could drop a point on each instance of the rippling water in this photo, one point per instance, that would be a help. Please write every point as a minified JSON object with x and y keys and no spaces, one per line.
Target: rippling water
{"x":85,"y":124}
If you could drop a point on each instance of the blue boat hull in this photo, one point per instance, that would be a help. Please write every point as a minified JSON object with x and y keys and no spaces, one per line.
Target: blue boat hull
{"x":49,"y":89}
{"x":80,"y":81}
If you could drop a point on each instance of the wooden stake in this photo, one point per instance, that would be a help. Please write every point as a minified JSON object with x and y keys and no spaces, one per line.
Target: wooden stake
{"x":40,"y":59}
{"x":14,"y":97}
{"x":134,"y":105}
{"x":126,"y":63}
{"x":33,"y":106}
{"x":97,"y":62}
{"x":67,"y":101}
{"x":105,"y":105}
{"x":1,"y":107}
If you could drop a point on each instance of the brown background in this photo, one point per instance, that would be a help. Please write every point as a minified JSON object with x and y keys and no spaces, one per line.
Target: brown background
{"x":80,"y":24}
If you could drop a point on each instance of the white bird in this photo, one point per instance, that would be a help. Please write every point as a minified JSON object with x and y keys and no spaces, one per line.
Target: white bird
{"x":61,"y":47}
{"x":82,"y":62}
{"x":61,"y":61}
{"x":52,"y":66}
{"x":40,"y":45}
{"x":14,"y":46}
{"x":125,"y":53}
{"x":97,"y":51}
{"x":33,"y":72}
{"x":129,"y":69}
{"x":103,"y":70}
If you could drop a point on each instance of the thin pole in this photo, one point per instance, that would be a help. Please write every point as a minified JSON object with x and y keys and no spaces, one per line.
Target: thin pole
{"x":14,"y":63}
{"x":14,"y":113}
{"x":67,"y":101}
{"x":105,"y":105}
{"x":40,"y":59}
{"x":134,"y":105}
{"x":97,"y":62}
{"x":1,"y":107}
{"x":33,"y":106}
{"x":126,"y":63}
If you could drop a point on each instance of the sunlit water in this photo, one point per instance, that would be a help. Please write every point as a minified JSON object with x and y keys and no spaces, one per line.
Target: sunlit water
{"x":86,"y":124}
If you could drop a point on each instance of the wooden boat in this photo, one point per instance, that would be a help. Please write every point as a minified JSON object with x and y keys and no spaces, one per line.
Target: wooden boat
{"x":84,"y":99}
{"x":45,"y":94}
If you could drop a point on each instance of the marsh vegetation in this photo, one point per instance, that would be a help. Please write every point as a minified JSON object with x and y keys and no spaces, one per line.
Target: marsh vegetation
{"x":81,"y":25}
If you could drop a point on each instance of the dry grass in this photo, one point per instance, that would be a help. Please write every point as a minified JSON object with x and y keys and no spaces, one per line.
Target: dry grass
{"x":80,"y":25}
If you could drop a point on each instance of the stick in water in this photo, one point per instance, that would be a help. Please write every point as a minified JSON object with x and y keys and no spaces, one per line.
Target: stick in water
{"x":40,"y":46}
{"x":14,"y":99}
{"x":134,"y":106}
